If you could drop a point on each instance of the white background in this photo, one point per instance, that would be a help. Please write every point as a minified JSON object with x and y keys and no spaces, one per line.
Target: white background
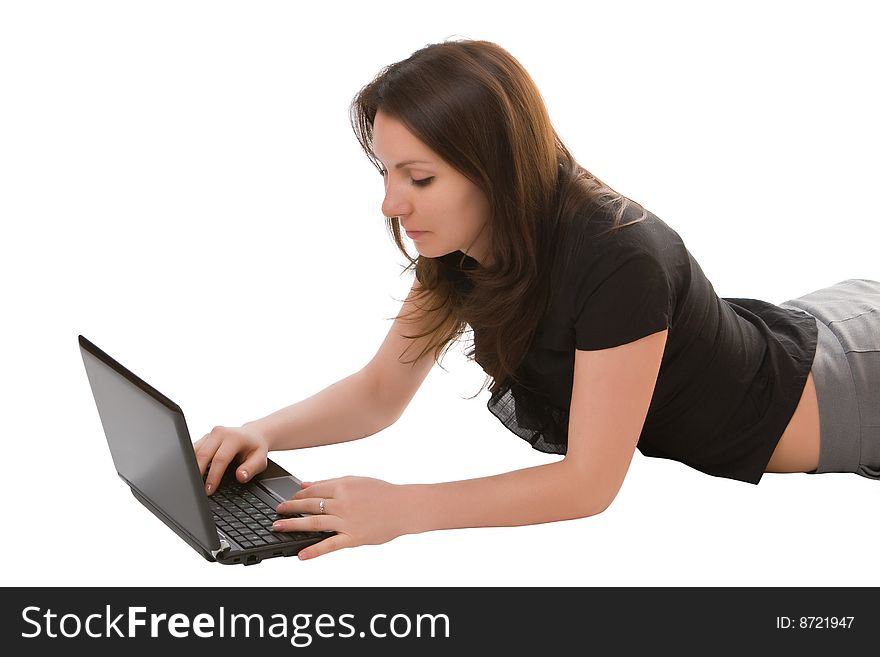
{"x":179,"y":182}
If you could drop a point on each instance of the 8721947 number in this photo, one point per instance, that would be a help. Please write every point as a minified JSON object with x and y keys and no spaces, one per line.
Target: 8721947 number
{"x":814,"y":622}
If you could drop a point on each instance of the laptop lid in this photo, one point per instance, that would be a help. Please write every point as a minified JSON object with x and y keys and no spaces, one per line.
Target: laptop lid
{"x":150,"y":444}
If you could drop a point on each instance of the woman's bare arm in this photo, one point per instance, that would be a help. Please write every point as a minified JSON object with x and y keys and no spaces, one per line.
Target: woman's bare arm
{"x":359,"y":405}
{"x":346,"y":410}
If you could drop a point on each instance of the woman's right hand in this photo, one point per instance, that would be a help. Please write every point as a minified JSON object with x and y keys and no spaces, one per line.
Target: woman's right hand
{"x":217,"y":449}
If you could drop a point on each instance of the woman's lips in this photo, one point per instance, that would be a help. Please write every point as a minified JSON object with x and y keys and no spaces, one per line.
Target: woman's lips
{"x":415,"y":234}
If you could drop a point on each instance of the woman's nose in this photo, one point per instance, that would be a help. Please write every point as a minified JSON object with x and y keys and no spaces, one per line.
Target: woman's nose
{"x":395,"y":204}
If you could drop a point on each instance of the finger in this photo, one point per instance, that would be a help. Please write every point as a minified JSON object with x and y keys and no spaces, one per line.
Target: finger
{"x":253,"y":464}
{"x":313,"y":523}
{"x":218,"y":466}
{"x":205,"y":448}
{"x":311,"y":505}
{"x":335,"y":542}
{"x":314,"y":489}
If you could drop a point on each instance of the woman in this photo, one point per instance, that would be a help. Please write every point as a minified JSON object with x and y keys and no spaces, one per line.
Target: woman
{"x":598,"y":328}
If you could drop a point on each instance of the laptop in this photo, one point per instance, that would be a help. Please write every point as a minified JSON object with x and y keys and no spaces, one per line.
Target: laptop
{"x":153,"y":454}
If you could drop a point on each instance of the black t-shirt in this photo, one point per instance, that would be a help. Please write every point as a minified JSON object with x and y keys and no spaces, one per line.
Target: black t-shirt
{"x":732,"y":373}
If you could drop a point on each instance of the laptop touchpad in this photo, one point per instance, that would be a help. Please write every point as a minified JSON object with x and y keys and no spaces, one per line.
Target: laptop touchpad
{"x":283,"y":487}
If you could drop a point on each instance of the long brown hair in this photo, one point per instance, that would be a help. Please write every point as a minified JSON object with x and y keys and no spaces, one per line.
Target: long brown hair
{"x":476,"y":107}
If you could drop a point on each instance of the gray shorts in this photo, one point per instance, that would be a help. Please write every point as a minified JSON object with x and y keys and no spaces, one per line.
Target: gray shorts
{"x":846,"y":372}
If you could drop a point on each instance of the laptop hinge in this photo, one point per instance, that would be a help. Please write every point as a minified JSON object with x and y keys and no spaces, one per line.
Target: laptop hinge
{"x":223,"y":547}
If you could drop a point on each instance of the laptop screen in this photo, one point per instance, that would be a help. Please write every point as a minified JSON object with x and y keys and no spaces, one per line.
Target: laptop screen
{"x":149,"y":442}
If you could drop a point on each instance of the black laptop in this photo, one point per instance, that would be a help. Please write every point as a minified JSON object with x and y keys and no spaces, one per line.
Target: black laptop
{"x":153,"y":453}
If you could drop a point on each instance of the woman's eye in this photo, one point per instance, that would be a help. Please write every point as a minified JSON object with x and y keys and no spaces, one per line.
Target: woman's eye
{"x":422,"y":182}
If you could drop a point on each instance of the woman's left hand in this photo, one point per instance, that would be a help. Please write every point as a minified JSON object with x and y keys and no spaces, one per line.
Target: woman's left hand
{"x":361,"y":510}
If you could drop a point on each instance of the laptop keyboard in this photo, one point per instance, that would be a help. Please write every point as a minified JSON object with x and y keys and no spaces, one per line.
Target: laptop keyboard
{"x":246,"y":519}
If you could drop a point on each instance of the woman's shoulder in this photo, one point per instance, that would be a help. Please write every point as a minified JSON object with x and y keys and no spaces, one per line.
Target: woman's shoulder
{"x":613,"y":232}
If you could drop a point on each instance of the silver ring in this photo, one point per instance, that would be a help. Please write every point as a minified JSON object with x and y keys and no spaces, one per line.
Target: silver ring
{"x":321,"y":505}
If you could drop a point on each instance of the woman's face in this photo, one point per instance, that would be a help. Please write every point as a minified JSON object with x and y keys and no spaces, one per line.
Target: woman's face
{"x":428,"y":195}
